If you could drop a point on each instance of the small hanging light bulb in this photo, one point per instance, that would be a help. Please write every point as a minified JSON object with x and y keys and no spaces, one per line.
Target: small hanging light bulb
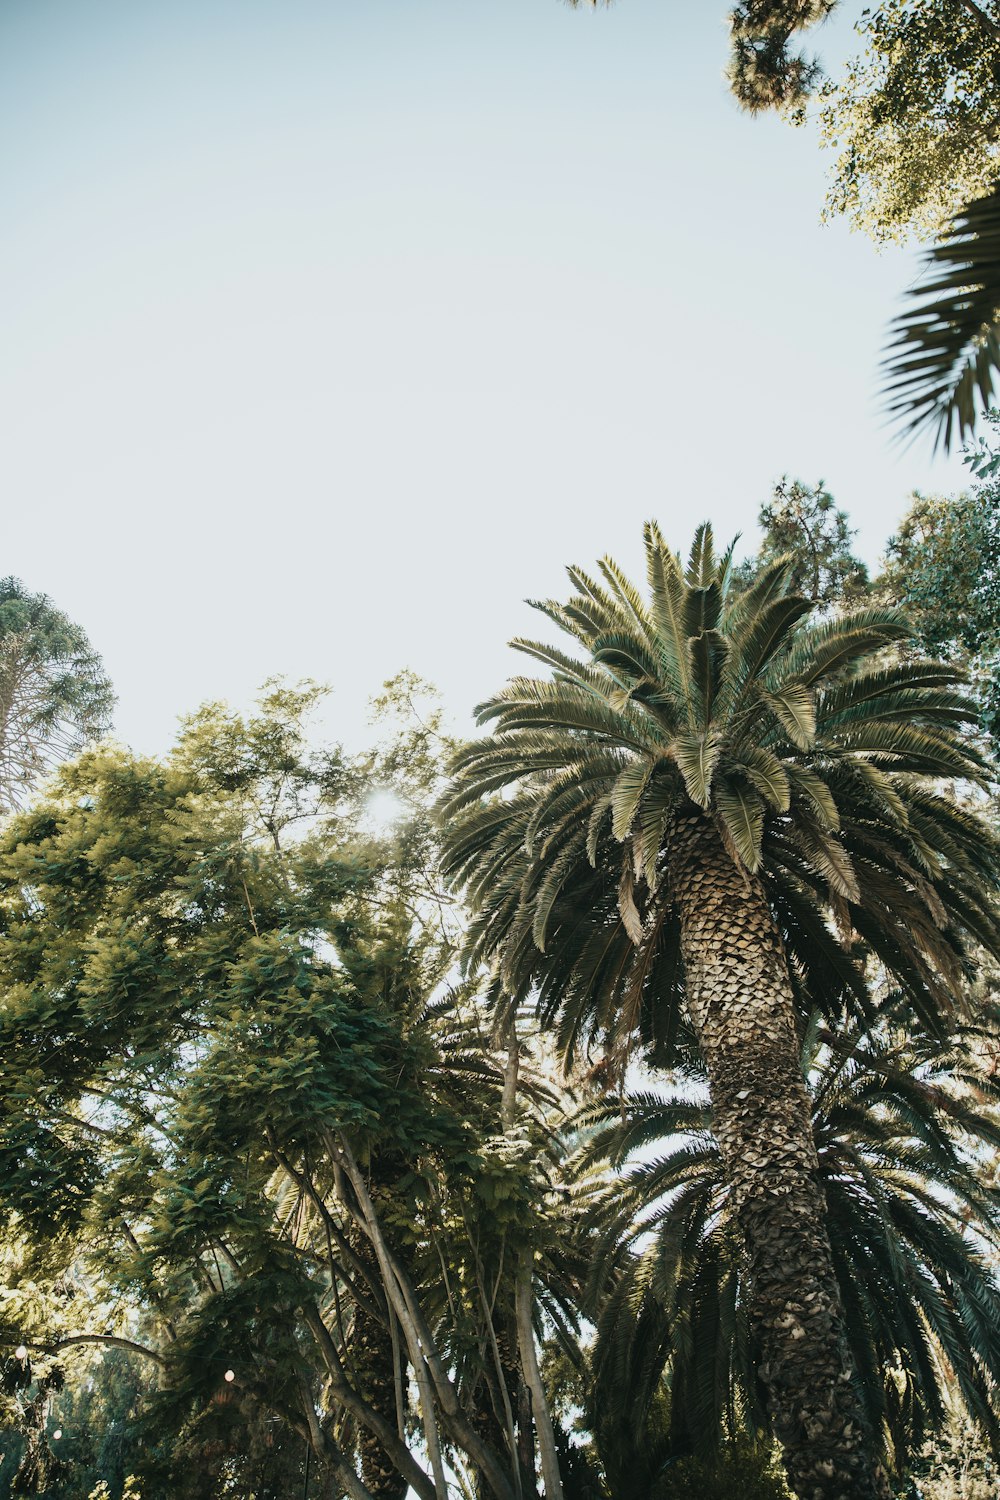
{"x":21,"y":1352}
{"x":229,"y":1376}
{"x":57,"y":1434}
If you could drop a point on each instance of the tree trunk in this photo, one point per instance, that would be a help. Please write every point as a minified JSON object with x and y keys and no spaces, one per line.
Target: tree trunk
{"x":374,"y":1361}
{"x":487,"y":1415}
{"x":742,"y":1009}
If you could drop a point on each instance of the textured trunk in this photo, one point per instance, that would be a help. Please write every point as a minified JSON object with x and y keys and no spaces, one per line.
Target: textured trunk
{"x":374,"y":1363}
{"x":503,"y":1417}
{"x":485,"y":1418}
{"x":532,"y":1379}
{"x":741,"y":1007}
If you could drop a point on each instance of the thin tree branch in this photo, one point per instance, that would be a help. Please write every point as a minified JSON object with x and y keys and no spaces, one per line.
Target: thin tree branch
{"x":533,"y":1380}
{"x":985,"y":21}
{"x":424,"y":1354}
{"x":111,"y":1339}
{"x":348,"y":1397}
{"x":155,"y":1292}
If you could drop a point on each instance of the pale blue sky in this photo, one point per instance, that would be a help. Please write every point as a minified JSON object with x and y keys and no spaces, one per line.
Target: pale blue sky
{"x":333,"y":330}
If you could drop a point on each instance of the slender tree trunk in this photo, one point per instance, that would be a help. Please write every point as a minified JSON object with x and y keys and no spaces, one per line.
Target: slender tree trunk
{"x":491,"y":1414}
{"x":742,"y":1009}
{"x":374,"y":1361}
{"x":532,"y":1376}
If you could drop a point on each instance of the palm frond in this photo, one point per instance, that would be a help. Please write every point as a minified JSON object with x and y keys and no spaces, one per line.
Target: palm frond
{"x":945,"y":348}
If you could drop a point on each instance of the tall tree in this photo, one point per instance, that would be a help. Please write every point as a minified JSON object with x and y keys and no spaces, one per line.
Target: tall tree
{"x":683,"y":816}
{"x":54,"y":693}
{"x":236,"y":1086}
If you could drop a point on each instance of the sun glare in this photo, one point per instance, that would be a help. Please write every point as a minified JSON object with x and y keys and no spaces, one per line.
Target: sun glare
{"x":383,"y":809}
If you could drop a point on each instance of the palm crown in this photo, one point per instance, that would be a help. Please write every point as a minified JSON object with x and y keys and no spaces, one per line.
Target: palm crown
{"x":811,"y":748}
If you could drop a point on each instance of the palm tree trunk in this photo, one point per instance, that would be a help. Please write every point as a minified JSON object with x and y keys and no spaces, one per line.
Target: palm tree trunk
{"x":742,"y":1009}
{"x":374,"y":1361}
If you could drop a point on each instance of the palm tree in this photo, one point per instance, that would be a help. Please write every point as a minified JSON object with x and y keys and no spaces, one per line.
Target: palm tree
{"x":717,"y":812}
{"x":901,"y":1153}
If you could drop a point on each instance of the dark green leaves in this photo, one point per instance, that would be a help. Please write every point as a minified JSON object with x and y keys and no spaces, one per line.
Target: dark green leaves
{"x":792,"y":735}
{"x":945,"y":351}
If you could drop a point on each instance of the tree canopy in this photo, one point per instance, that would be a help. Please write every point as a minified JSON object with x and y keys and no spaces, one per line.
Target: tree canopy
{"x":287,"y":1202}
{"x":242,"y":1099}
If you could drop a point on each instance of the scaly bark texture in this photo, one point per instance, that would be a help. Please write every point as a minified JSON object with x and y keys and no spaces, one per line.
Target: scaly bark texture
{"x":372,"y":1356}
{"x":489,"y":1416}
{"x":742,"y":1009}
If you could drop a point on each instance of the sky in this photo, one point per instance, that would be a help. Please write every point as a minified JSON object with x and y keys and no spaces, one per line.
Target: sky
{"x":332,"y":330}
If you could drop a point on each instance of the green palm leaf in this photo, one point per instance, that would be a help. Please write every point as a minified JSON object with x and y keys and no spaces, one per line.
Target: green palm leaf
{"x":697,"y":755}
{"x":945,"y":350}
{"x":795,"y":710}
{"x":743,"y":817}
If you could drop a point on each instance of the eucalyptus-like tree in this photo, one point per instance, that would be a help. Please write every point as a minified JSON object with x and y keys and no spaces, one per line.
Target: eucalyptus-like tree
{"x":720,"y":810}
{"x":905,"y":1134}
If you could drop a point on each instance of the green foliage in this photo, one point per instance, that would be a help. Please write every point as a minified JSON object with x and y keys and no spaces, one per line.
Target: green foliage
{"x":814,"y":752}
{"x":131,"y":1490}
{"x":915,"y":119}
{"x":915,"y":125}
{"x":764,"y":71}
{"x":744,"y":1472}
{"x":945,"y":352}
{"x":803,"y":524}
{"x":226,"y":1019}
{"x":956,"y":1465}
{"x":943,"y":567}
{"x":54,"y":693}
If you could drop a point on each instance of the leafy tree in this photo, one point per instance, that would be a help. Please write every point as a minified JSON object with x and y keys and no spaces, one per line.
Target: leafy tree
{"x":943,"y":568}
{"x":902,"y":1131}
{"x":803,"y":524}
{"x":764,"y":70}
{"x":238,"y":1090}
{"x":957,"y":1465}
{"x":677,"y":823}
{"x":914,"y":119}
{"x":54,"y":694}
{"x":915,"y":122}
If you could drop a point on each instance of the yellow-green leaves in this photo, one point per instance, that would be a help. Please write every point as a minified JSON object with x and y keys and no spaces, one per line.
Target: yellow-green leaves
{"x":743,"y":817}
{"x":666,"y":585}
{"x":816,"y":795}
{"x":706,"y":655}
{"x":696,"y":756}
{"x":626,"y":902}
{"x":627,"y":794}
{"x":794,"y":709}
{"x":766,"y":772}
